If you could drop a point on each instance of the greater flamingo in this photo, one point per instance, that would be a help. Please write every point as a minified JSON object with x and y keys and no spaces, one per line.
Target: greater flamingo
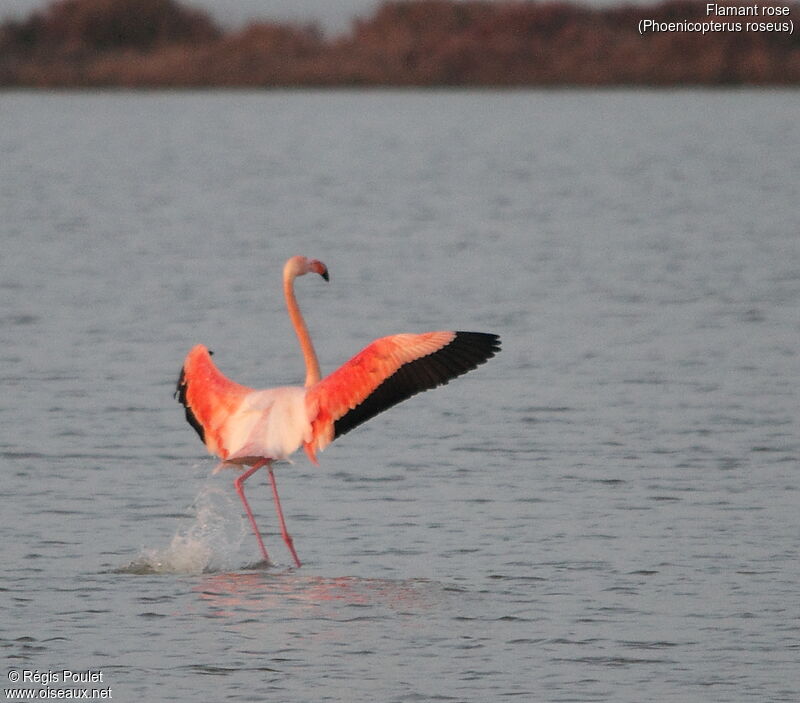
{"x":254,"y":428}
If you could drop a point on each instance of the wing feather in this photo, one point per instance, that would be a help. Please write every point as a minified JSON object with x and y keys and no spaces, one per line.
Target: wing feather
{"x":209,"y":398}
{"x":388,"y":371}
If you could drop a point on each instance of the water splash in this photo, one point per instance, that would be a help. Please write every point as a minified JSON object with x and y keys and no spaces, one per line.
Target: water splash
{"x":208,"y":544}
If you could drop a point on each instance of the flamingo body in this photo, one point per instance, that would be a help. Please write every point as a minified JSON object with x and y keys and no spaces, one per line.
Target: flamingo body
{"x":243,"y":426}
{"x":238,"y":424}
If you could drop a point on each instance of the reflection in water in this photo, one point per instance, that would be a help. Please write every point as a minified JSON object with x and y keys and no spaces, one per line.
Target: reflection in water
{"x":234,"y":593}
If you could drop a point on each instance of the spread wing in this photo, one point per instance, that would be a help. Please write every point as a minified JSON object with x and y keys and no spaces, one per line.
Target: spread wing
{"x":387,"y":372}
{"x":209,"y":398}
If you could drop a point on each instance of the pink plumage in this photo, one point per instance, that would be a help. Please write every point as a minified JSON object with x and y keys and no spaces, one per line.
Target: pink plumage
{"x":251,"y":427}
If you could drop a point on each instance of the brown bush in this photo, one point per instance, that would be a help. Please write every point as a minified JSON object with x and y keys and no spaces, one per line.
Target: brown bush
{"x":419,"y":42}
{"x":86,"y":26}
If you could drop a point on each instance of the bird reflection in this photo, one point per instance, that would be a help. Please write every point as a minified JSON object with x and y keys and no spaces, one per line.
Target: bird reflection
{"x":233,"y":594}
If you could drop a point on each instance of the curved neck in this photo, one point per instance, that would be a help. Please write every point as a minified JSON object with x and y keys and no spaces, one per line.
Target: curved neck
{"x":309,"y":355}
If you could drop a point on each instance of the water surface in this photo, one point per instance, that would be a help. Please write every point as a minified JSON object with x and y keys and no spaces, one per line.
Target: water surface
{"x":607,"y":511}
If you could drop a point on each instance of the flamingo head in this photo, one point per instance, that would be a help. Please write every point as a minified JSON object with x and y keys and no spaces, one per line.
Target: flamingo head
{"x":301,"y":265}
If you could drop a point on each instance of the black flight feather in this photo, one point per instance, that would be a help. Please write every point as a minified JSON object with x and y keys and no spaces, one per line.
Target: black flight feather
{"x":465,"y":352}
{"x":180,"y":394}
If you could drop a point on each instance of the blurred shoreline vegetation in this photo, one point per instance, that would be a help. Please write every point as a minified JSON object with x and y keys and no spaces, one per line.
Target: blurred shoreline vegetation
{"x":164,"y":43}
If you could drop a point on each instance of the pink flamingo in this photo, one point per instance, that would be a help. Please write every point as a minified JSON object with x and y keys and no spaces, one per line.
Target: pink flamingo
{"x":247,"y":427}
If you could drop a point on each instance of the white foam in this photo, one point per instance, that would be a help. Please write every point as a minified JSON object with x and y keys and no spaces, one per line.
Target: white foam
{"x":209,"y":543}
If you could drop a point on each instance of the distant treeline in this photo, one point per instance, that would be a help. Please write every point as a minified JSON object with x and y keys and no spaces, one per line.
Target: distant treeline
{"x":161,"y":43}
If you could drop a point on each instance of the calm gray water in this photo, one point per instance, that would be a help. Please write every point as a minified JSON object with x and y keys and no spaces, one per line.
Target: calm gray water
{"x":607,"y":511}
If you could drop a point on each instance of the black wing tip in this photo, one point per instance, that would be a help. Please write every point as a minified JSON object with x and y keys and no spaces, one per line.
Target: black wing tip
{"x":487,"y":342}
{"x":180,"y":396}
{"x":471,"y":349}
{"x":465,"y":352}
{"x":180,"y":388}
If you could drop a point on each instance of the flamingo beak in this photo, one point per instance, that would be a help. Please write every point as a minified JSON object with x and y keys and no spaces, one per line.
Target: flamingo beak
{"x":320,"y":268}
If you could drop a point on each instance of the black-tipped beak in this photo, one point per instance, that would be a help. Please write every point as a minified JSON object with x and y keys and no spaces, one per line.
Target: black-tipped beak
{"x":316,"y":266}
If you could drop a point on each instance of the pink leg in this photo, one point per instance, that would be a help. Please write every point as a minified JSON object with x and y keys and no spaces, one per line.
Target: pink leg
{"x":238,"y":483}
{"x":286,"y":536}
